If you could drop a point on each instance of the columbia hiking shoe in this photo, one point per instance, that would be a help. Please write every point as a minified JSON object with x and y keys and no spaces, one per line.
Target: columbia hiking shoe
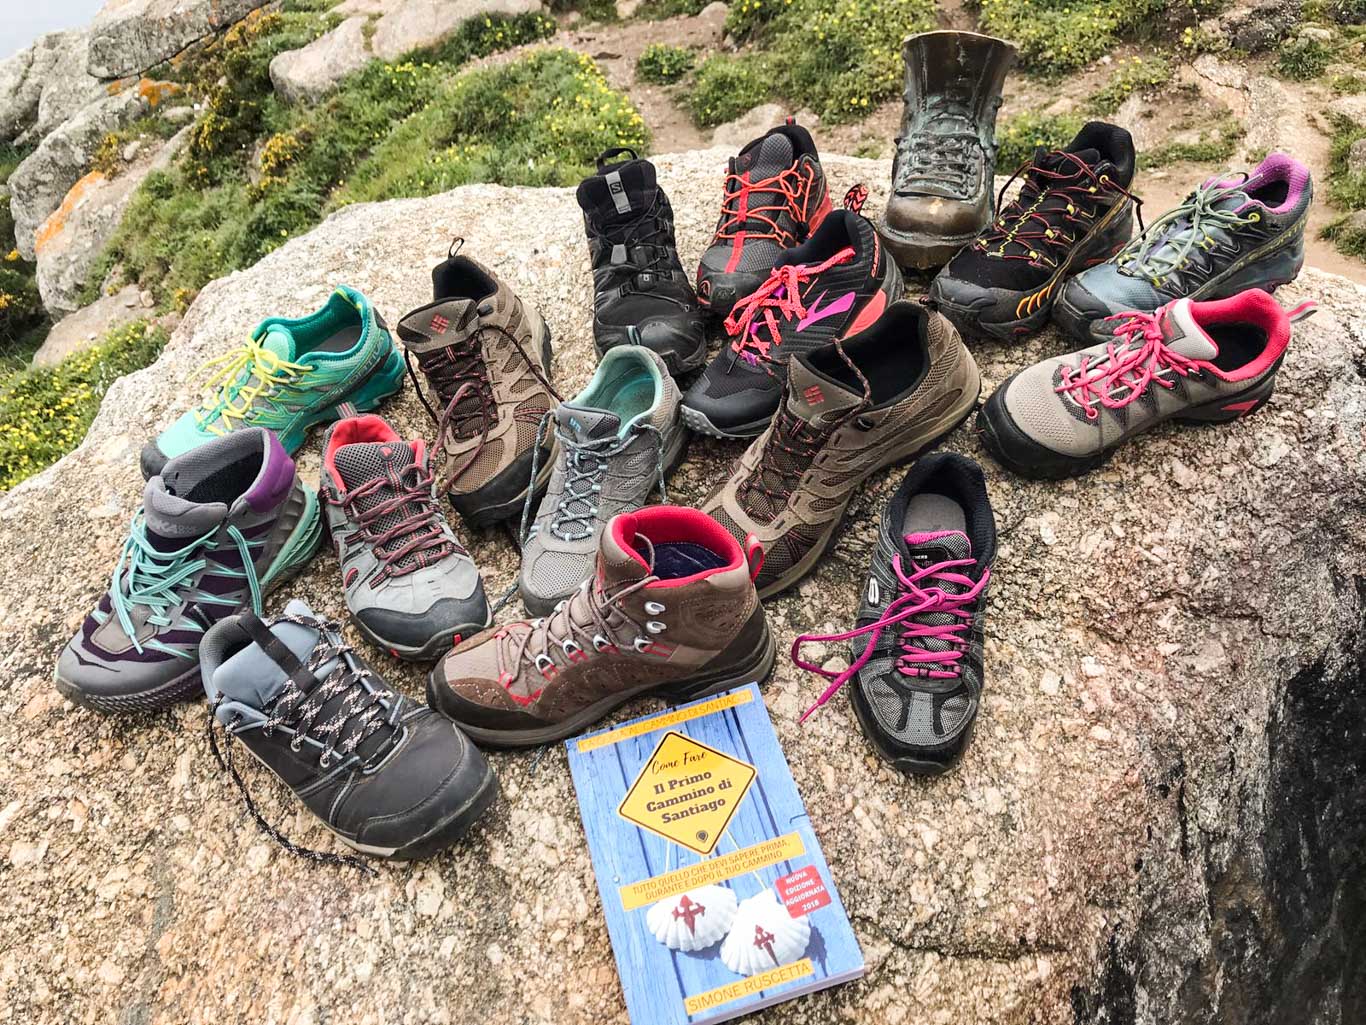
{"x":670,"y":613}
{"x":411,"y":586}
{"x":775,"y":197}
{"x":486,"y":355}
{"x":289,"y":376}
{"x":642,"y":295}
{"x":1232,"y":233}
{"x":832,"y":286}
{"x":618,"y":440}
{"x":1074,"y":210}
{"x":1193,"y":362}
{"x":220,"y":526}
{"x":942,"y":185}
{"x":387,"y":775}
{"x":916,"y":647}
{"x":849,"y":410}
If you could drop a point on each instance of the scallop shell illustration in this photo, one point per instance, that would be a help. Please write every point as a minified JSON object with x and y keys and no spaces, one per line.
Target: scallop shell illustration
{"x":764,"y":936}
{"x":693,"y":920}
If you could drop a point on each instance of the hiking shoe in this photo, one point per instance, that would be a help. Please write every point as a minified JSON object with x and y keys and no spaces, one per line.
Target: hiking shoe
{"x":833,"y":286}
{"x":849,"y":410}
{"x":385,"y":774}
{"x":670,"y":613}
{"x":915,"y":652}
{"x":1232,"y":233}
{"x":411,"y":586}
{"x":618,"y":439}
{"x":642,"y":295}
{"x":775,"y":197}
{"x":290,"y":375}
{"x":220,"y":526}
{"x":486,"y":355}
{"x":1074,"y":210}
{"x":1194,"y":362}
{"x":941,"y":194}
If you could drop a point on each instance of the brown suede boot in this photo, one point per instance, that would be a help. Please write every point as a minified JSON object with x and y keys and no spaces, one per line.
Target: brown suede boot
{"x":672,"y":613}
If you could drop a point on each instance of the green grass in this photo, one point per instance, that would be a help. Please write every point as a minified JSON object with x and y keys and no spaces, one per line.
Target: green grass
{"x":1135,"y":75}
{"x":1346,"y":191}
{"x":1216,"y":145}
{"x":655,"y":9}
{"x":1302,"y":58}
{"x":23,"y":321}
{"x":664,"y":64}
{"x":45,"y":411}
{"x":1018,"y":137}
{"x":725,"y":87}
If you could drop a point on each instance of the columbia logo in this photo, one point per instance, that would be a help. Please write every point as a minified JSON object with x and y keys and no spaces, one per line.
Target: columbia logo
{"x":440,"y":323}
{"x":813,"y":395}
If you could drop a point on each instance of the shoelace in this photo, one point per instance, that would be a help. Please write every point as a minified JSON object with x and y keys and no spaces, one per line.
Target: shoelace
{"x":1185,"y":230}
{"x":157,"y":580}
{"x":922,"y":594}
{"x":585,"y":463}
{"x":644,"y":236}
{"x":793,"y":187}
{"x":780,"y":297}
{"x":1137,"y":359}
{"x":242,"y":376}
{"x":933,"y":157}
{"x":358,"y":716}
{"x":418,"y":531}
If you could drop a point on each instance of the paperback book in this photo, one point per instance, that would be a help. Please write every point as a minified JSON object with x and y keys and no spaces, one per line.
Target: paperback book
{"x":717,"y":897}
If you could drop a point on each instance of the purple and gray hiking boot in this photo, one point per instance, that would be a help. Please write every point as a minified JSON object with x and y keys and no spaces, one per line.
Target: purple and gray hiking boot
{"x":220,"y":526}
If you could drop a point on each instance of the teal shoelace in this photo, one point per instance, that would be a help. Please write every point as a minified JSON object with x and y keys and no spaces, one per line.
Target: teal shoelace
{"x":1168,"y":243}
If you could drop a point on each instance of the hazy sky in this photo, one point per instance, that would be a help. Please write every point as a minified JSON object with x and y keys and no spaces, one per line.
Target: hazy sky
{"x":21,"y":21}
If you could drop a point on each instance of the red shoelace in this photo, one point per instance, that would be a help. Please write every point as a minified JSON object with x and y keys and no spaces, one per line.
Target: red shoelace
{"x":780,"y":297}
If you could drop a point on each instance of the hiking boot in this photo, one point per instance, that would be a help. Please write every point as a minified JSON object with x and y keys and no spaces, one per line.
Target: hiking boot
{"x":486,"y":355}
{"x":832,"y":286}
{"x":915,"y":652}
{"x":1073,"y":211}
{"x":618,"y":440}
{"x":775,"y":197}
{"x":387,"y":775}
{"x":1229,"y":235}
{"x":642,"y":295}
{"x":946,"y":153}
{"x":670,"y":613}
{"x":220,"y":526}
{"x":849,"y":410}
{"x":1193,"y":362}
{"x":411,"y":586}
{"x":289,"y":376}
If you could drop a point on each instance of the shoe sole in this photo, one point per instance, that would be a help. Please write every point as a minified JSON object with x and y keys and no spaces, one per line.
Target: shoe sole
{"x":294,"y":555}
{"x":755,"y":668}
{"x":433,"y":649}
{"x":697,"y":420}
{"x":919,"y":251}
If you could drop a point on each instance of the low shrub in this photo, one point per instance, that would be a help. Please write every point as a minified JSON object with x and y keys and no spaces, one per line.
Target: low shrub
{"x":1303,"y":58}
{"x":663,"y":64}
{"x":1018,"y":137}
{"x":1215,"y":145}
{"x":1134,"y":75}
{"x":23,"y":321}
{"x":726,"y":86}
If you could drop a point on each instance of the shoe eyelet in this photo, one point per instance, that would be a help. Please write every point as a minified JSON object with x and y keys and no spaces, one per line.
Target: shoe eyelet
{"x":641,"y":643}
{"x":655,"y":626}
{"x":600,"y":643}
{"x":296,"y":745}
{"x":570,"y":649}
{"x":864,"y":423}
{"x":544,"y":662}
{"x":325,"y":760}
{"x":653,"y":608}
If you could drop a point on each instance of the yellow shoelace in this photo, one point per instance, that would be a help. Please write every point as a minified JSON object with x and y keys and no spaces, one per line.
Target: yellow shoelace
{"x":261,"y":371}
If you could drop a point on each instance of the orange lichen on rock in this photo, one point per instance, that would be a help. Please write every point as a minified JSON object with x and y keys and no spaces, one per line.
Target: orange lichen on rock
{"x":56,"y":221}
{"x":155,"y":92}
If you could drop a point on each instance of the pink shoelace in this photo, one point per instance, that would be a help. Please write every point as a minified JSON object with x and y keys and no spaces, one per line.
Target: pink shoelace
{"x":1130,"y":364}
{"x":780,"y":295}
{"x":919,"y":597}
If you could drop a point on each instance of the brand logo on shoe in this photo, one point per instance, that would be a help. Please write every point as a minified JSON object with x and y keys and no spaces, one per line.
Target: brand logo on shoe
{"x":813,"y":395}
{"x":440,"y":323}
{"x":818,"y":312}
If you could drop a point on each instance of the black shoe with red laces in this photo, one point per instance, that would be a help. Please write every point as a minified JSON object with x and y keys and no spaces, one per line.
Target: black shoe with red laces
{"x":1074,"y":210}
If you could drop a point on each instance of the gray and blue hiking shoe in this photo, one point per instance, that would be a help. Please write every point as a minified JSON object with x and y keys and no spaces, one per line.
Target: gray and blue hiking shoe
{"x":387,"y":775}
{"x":411,"y":586}
{"x":1232,"y":233}
{"x":618,"y":439}
{"x":219,"y":527}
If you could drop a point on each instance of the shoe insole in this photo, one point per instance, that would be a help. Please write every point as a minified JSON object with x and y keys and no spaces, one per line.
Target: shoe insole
{"x":340,"y":341}
{"x":1239,"y":344}
{"x":927,"y":513}
{"x":627,"y":394}
{"x":675,"y":559}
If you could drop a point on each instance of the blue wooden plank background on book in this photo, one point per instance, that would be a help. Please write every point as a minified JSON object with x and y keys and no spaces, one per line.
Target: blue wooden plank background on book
{"x":655,"y":979}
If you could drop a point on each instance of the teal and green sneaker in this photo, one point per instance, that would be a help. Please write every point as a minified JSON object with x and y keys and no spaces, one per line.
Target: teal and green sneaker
{"x":289,"y":376}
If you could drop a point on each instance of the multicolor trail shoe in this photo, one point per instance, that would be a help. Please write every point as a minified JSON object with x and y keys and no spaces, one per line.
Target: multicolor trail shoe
{"x":618,"y":440}
{"x":775,"y":197}
{"x":832,"y":286}
{"x":916,"y":648}
{"x":388,"y":776}
{"x":220,"y":526}
{"x":1232,"y":233}
{"x":486,"y":354}
{"x":850,"y":409}
{"x":289,"y":376}
{"x":1074,"y":210}
{"x":411,"y":586}
{"x":671,"y":613}
{"x":642,"y":295}
{"x":1193,"y":362}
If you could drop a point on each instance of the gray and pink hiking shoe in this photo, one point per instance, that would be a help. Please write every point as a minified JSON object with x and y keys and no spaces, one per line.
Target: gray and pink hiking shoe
{"x":1234,"y":232}
{"x":1194,"y":362}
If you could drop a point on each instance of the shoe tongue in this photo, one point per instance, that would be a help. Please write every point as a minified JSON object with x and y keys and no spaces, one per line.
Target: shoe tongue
{"x":584,"y":423}
{"x":279,"y":341}
{"x":1178,"y":231}
{"x":252,"y":677}
{"x":1182,"y":334}
{"x":925,"y":548}
{"x":172,"y":522}
{"x":365,"y":461}
{"x":766,"y":156}
{"x":622,"y":192}
{"x":816,"y":398}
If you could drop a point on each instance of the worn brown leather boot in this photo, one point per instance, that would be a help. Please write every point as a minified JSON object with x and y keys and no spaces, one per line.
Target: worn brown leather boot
{"x":946,"y":153}
{"x":672,"y":613}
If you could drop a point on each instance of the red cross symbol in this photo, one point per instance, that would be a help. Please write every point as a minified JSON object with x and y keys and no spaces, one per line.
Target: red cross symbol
{"x":690,"y":911}
{"x":764,"y":940}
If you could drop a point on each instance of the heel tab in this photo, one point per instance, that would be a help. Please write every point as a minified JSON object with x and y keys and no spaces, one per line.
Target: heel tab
{"x":1303,"y":311}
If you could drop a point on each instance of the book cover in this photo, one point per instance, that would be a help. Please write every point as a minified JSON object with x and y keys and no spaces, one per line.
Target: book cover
{"x":717,"y":897}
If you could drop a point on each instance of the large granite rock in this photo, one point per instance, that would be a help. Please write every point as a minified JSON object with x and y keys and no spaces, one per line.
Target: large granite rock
{"x":87,"y":326}
{"x":1254,"y":25}
{"x":1160,"y":819}
{"x":127,"y":37}
{"x":44,"y":85}
{"x":312,"y":70}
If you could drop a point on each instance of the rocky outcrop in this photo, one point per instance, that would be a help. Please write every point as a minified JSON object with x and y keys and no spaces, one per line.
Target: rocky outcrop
{"x":128,"y":37}
{"x":1159,"y":822}
{"x":1255,"y":26}
{"x":311,"y":71}
{"x":44,"y":85}
{"x":87,"y":326}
